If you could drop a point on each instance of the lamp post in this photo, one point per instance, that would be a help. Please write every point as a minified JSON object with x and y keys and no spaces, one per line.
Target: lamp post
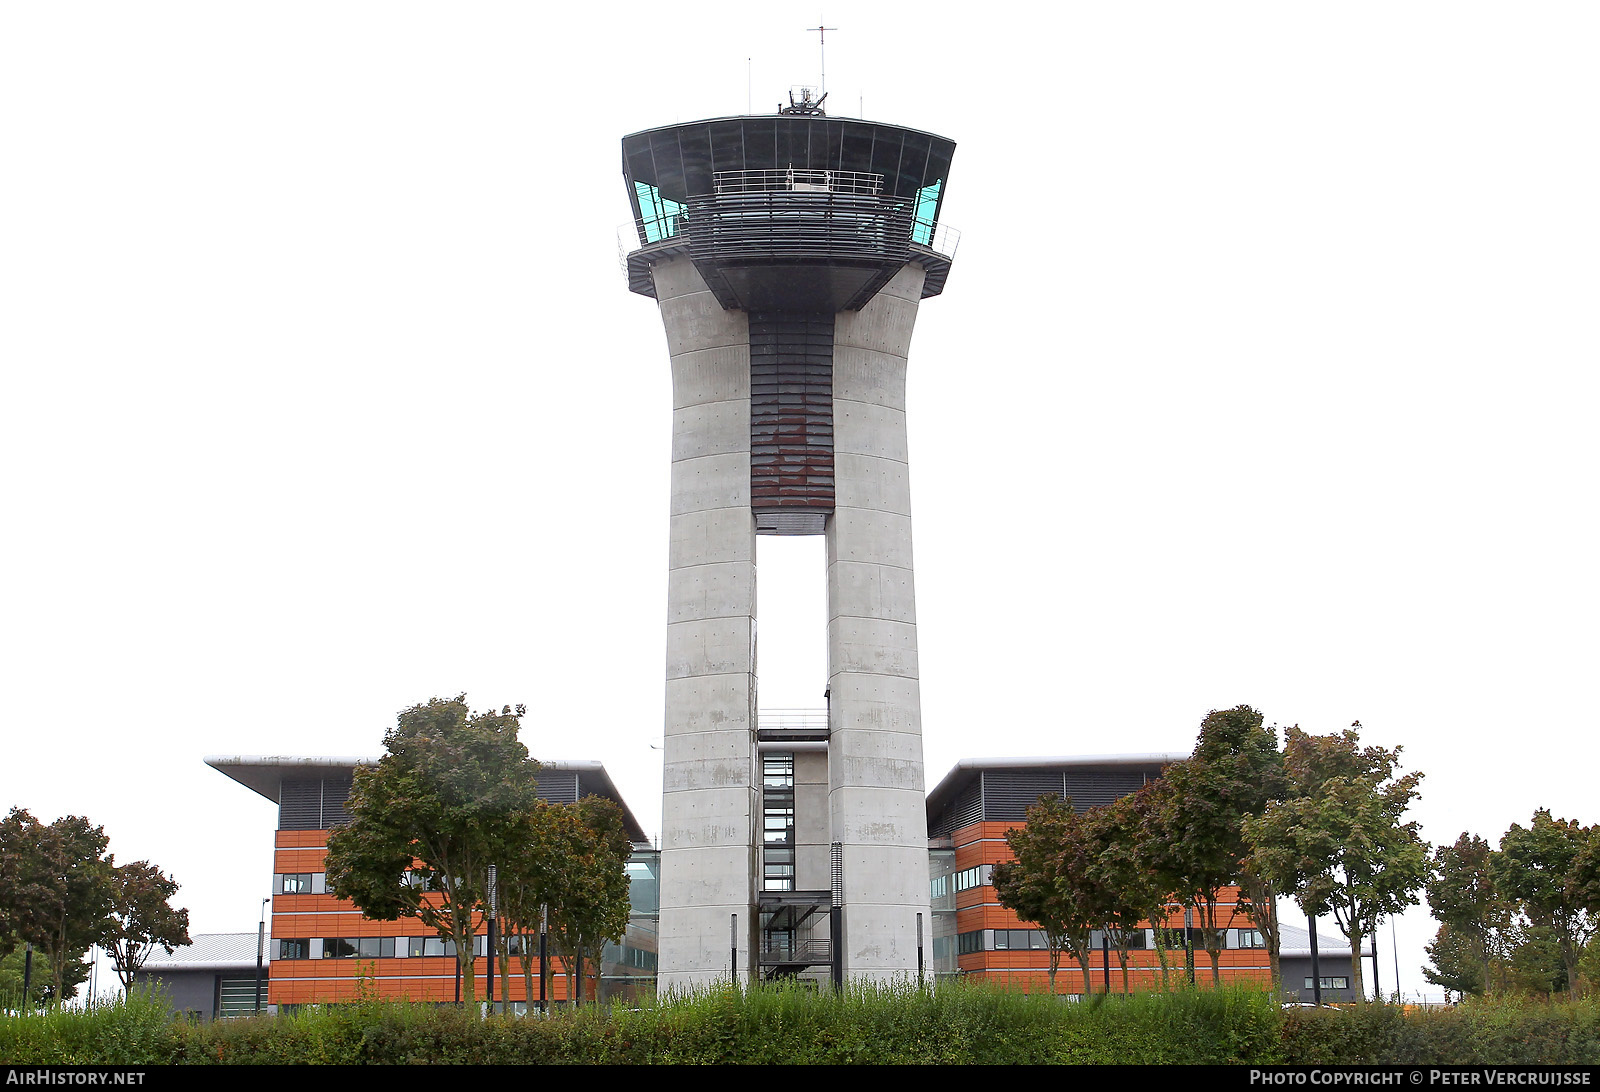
{"x":261,"y":949}
{"x":493,"y":907}
{"x":1188,"y":942}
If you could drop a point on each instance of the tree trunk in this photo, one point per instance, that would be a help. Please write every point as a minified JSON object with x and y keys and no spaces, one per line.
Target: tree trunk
{"x":527,"y":956}
{"x":1356,"y":984}
{"x":469,"y":979}
{"x":1161,"y":958}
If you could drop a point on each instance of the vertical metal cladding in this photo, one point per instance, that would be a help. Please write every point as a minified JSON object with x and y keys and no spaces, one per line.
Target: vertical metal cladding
{"x":791,"y":421}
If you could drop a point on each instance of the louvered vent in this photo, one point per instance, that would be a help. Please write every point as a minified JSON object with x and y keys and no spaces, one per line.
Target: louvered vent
{"x":558,"y":786}
{"x":964,"y":810}
{"x":335,"y":795}
{"x":1092,"y":790}
{"x":1008,"y":794}
{"x":300,"y":805}
{"x":791,"y":421}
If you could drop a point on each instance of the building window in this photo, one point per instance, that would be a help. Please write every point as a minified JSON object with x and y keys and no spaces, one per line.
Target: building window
{"x":1251,"y":938}
{"x":295,"y":883}
{"x":358,"y":947}
{"x":1171,"y":939}
{"x":777,"y":822}
{"x":294,"y":949}
{"x":777,"y":771}
{"x":237,"y":996}
{"x":1336,"y":982}
{"x":430,"y":946}
{"x":969,"y":878}
{"x":969,"y":942}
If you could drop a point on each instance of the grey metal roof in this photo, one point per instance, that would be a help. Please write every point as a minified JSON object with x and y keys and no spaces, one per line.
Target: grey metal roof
{"x":1295,"y":941}
{"x":265,"y":775}
{"x":968,"y":768}
{"x":209,"y":952}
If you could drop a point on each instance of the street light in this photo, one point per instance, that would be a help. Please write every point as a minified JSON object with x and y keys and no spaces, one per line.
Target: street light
{"x":261,"y":945}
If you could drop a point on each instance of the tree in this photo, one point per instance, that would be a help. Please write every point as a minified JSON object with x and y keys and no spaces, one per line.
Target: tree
{"x":141,"y":918}
{"x":1235,"y":770}
{"x":1339,"y":841}
{"x":1050,"y":881}
{"x":54,"y":890}
{"x":1463,"y":898}
{"x":1456,"y":965}
{"x":13,"y":970}
{"x":1539,"y":866}
{"x":1133,"y":894}
{"x":440,"y":805}
{"x":585,"y":848}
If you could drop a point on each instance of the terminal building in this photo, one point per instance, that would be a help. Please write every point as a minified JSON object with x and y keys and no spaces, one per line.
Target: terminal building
{"x":319,"y":949}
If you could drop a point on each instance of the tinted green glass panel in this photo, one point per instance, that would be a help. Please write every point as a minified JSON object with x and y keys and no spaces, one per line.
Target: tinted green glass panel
{"x":658,"y":214}
{"x":927,"y":209}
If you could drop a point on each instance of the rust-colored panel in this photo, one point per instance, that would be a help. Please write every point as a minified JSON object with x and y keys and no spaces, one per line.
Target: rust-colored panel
{"x":292,"y":839}
{"x":298,"y":860}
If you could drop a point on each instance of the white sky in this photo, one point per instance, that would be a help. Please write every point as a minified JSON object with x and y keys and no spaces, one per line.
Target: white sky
{"x":1266,"y":373}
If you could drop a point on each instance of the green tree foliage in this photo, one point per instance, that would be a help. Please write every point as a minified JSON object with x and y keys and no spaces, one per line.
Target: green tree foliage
{"x":41,"y":991}
{"x":142,"y":917}
{"x":1535,"y":961}
{"x":1235,"y":770}
{"x":442,"y":804}
{"x":1051,"y":881}
{"x":1456,"y":964}
{"x":55,"y":889}
{"x":1464,"y":900}
{"x":585,"y":847}
{"x":1339,"y":840}
{"x":1542,"y":866}
{"x":1133,"y":893}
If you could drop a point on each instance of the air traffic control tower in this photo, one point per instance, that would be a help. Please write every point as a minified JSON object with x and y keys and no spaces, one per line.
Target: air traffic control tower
{"x":788,"y":254}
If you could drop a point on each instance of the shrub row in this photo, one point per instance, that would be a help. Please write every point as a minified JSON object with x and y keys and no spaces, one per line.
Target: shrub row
{"x":962,"y":1025}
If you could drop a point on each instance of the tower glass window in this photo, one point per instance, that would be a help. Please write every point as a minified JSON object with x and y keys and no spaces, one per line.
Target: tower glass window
{"x":777,"y":822}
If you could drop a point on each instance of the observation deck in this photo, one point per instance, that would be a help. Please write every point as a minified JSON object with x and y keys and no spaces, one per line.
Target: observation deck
{"x":789,"y":212}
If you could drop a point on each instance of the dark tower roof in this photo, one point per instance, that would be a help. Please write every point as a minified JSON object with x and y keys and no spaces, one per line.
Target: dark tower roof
{"x":793,"y":212}
{"x":682,"y":160}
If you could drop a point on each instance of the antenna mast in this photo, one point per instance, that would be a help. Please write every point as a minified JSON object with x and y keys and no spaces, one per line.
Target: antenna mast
{"x":822,"y":53}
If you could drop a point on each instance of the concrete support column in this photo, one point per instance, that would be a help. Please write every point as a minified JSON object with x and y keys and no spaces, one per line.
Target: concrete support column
{"x":710,"y":801}
{"x":876,"y":799}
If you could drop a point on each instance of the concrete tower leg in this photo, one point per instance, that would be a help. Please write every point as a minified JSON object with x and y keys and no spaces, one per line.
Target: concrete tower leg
{"x":710,"y":785}
{"x":876,"y":801}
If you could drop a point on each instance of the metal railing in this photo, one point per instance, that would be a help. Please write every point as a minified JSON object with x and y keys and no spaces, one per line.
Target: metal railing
{"x":760,"y":223}
{"x":800,"y":951}
{"x":940,"y":238}
{"x":799,"y":180}
{"x":791,"y":223}
{"x":793,"y":720}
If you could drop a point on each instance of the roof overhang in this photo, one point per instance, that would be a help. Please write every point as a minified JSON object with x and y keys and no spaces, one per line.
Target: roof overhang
{"x":967,"y":769}
{"x":265,"y":774}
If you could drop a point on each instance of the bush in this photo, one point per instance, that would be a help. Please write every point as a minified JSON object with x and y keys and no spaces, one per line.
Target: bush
{"x":138,"y":1029}
{"x":963,"y":1023}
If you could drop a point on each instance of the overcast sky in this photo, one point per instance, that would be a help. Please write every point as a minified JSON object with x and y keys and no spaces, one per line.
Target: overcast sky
{"x":1266,"y":374}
